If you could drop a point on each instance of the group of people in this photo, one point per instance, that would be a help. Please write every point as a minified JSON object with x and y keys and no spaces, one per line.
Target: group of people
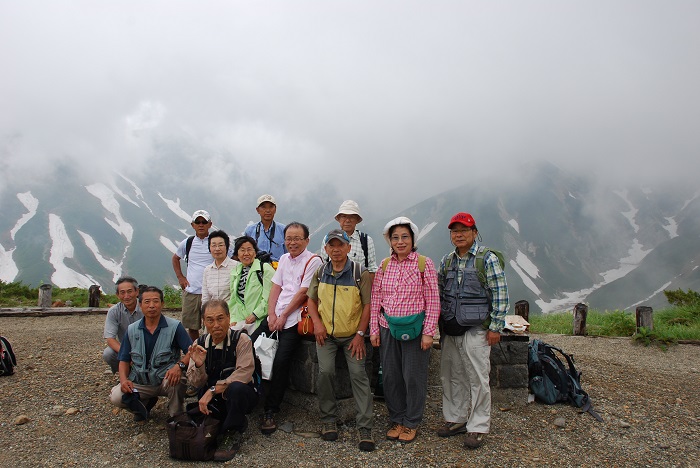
{"x":260,"y":284}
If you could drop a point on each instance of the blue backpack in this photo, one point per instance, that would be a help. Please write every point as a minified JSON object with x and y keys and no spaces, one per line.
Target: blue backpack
{"x":551,"y":381}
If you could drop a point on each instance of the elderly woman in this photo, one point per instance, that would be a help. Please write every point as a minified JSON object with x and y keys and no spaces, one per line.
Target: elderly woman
{"x":250,"y":286}
{"x":215,"y":280}
{"x":404,"y":316}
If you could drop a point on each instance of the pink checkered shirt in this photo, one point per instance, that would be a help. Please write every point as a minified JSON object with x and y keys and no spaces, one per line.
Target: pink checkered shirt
{"x":401,"y":292}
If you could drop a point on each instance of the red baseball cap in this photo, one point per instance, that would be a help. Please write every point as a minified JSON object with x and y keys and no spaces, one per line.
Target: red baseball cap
{"x":462,"y":218}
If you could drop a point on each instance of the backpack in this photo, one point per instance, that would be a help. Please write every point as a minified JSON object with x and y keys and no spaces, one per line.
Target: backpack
{"x":551,"y":381}
{"x":421,"y":264}
{"x":356,"y":272}
{"x":257,"y":373}
{"x":365,"y":247}
{"x":479,"y":262}
{"x":188,"y":247}
{"x":7,"y":357}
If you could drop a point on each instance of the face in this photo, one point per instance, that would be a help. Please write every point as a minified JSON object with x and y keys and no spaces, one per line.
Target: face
{"x":216,"y":321}
{"x":246,"y":254}
{"x":217,"y":247}
{"x":337,"y":250}
{"x":462,"y":237}
{"x":295,"y":241}
{"x":266,"y":211}
{"x":151,"y":305}
{"x":401,"y":242}
{"x":348,"y":222}
{"x":201,"y":227}
{"x":128,"y":294}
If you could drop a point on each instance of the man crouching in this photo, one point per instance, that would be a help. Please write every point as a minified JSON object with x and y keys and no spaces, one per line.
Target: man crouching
{"x":223,"y":359}
{"x":149,"y":360}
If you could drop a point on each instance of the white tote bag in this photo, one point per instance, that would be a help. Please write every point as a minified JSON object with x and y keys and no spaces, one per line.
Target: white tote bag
{"x":266,"y":348}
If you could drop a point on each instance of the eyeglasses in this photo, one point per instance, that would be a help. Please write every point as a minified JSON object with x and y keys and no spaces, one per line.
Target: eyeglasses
{"x":201,"y":222}
{"x":246,"y":251}
{"x":404,"y":238}
{"x":294,"y":239}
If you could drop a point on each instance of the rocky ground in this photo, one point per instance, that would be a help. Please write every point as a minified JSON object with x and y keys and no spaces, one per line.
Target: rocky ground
{"x":649,"y":400}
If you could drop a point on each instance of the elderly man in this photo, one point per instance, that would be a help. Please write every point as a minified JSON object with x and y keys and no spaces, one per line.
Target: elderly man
{"x":224,"y":360}
{"x":287,"y":295}
{"x":474,"y":302}
{"x":150,"y":360}
{"x":268,"y":234}
{"x":119,"y":317}
{"x":340,"y":294}
{"x":195,"y":251}
{"x":361,"y":245}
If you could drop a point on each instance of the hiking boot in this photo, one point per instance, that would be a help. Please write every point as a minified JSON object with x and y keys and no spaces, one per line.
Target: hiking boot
{"x":474,"y":440}
{"x":191,"y":391}
{"x":228,"y":447}
{"x":451,"y":429}
{"x":268,"y":425}
{"x":394,"y":431}
{"x":408,"y":435}
{"x":366,"y":440}
{"x":133,"y":402}
{"x":150,"y":403}
{"x":329,"y":432}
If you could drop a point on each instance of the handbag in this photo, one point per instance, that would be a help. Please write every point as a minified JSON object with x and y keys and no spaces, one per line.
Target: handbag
{"x":406,"y":328}
{"x":192,"y":435}
{"x":265,"y":349}
{"x":305,"y":327}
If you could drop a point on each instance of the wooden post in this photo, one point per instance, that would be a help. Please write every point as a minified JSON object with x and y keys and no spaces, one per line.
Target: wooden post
{"x":94,"y":296}
{"x":45,"y":291}
{"x":522,"y":308}
{"x":644,"y":318}
{"x":580,"y":313}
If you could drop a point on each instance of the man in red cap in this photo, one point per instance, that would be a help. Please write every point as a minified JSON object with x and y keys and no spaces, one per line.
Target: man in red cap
{"x":474,"y":302}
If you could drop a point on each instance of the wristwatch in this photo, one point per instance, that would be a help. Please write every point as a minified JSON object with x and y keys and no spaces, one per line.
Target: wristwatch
{"x":361,"y":333}
{"x":212,"y":389}
{"x":182,"y":365}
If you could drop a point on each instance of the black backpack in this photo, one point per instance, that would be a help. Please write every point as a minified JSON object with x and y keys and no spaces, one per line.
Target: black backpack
{"x":7,"y":357}
{"x":553,"y":382}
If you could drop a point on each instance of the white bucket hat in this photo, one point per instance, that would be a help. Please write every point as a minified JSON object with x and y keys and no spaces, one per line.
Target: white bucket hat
{"x":401,"y":220}
{"x":349,"y":207}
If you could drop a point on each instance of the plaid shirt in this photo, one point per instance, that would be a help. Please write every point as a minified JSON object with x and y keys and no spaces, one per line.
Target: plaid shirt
{"x":401,"y":292}
{"x":495,"y":279}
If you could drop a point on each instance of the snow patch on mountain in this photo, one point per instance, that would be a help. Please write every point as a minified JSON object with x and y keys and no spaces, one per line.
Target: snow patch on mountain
{"x":108,"y":264}
{"x":671,"y":227}
{"x":524,"y":262}
{"x":174,"y":206}
{"x":110,"y":203}
{"x":632,"y":213}
{"x":423,"y":232}
{"x":514,"y":224}
{"x":62,"y":248}
{"x":627,"y":264}
{"x":31,"y":204}
{"x":168,"y":244}
{"x":529,"y":284}
{"x":8,"y":268}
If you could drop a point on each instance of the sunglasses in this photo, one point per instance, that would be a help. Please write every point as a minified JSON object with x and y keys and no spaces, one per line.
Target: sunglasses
{"x":201,"y":222}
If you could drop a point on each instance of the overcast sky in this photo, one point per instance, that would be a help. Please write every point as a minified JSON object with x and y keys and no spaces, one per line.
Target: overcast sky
{"x":422,"y":90}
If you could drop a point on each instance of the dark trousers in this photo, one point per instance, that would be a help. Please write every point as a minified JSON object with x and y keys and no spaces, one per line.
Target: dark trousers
{"x":289,"y":340}
{"x":239,"y":400}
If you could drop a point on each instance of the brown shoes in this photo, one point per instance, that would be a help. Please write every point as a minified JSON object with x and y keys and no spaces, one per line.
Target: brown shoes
{"x":451,"y":429}
{"x":394,"y":431}
{"x":268,"y":425}
{"x":407,"y":434}
{"x":474,"y":440}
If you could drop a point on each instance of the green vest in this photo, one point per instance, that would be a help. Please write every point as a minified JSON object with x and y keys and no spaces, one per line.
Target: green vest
{"x":164,"y":355}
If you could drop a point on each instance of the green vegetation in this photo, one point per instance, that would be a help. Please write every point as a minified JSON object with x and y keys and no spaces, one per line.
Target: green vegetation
{"x":17,"y":294}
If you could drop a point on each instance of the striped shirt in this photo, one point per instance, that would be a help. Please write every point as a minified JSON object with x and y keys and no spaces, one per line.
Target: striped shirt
{"x":216,"y":281}
{"x":495,"y":279}
{"x":401,"y":291}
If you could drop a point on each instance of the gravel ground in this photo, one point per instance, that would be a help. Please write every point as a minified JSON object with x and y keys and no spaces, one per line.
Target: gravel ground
{"x":648,"y":398}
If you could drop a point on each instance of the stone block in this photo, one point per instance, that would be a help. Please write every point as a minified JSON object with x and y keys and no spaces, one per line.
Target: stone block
{"x":509,"y":352}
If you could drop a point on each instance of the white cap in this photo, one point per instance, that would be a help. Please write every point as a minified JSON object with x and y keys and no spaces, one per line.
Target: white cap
{"x":201,"y":214}
{"x":401,"y":220}
{"x":266,"y":198}
{"x":349,"y":207}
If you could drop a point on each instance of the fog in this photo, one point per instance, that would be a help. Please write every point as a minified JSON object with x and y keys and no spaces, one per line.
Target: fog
{"x":396,"y":99}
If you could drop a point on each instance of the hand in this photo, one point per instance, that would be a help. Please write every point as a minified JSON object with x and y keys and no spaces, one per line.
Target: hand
{"x":357,"y":347}
{"x":250,"y":319}
{"x":278,"y":324}
{"x":127,"y":386}
{"x":320,"y":332}
{"x":271,"y":319}
{"x":183,"y":282}
{"x":426,"y":342}
{"x":374,"y":339}
{"x":204,"y":402}
{"x":197,"y":354}
{"x":493,"y":338}
{"x":173,"y":375}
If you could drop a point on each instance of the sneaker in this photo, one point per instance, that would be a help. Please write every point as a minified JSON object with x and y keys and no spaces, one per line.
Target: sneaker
{"x":408,"y":434}
{"x":474,"y":440}
{"x":329,"y":432}
{"x":451,"y":429}
{"x":268,"y":425}
{"x":366,"y":441}
{"x":133,"y":402}
{"x":228,"y":447}
{"x":394,"y":431}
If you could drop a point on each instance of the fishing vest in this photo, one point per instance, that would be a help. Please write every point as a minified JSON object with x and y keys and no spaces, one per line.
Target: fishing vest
{"x":164,"y":355}
{"x":463,"y":304}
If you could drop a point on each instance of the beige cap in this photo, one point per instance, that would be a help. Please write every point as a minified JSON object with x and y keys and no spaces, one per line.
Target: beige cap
{"x":266,"y":198}
{"x":349,"y":207}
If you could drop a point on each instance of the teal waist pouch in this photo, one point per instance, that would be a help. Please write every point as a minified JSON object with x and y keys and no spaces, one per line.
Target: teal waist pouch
{"x":405,"y":328}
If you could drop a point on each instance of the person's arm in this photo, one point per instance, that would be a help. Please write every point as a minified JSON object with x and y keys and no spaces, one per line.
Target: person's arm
{"x":181,"y":279}
{"x":127,"y":386}
{"x":275,"y":291}
{"x":261,"y":309}
{"x":205,"y":289}
{"x":196,"y":371}
{"x":496,"y":280}
{"x":114,"y":344}
{"x":375,"y":308}
{"x":320,"y":331}
{"x":432,"y":304}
